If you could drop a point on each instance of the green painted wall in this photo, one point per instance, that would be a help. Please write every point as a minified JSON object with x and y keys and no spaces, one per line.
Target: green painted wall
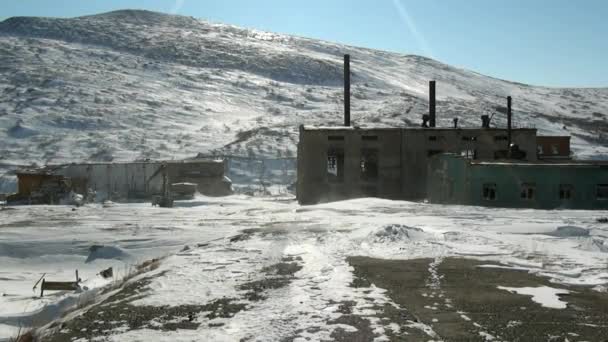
{"x":470,"y":178}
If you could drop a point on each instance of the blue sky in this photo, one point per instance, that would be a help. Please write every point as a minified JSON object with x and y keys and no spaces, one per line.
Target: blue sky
{"x":542,"y":42}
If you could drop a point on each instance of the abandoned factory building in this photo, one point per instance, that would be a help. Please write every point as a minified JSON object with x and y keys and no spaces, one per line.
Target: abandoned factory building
{"x":485,"y":165}
{"x":346,"y":162}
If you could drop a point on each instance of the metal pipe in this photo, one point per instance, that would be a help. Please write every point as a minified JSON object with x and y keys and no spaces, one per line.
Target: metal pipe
{"x":509,"y":121}
{"x":346,"y":90}
{"x":431,"y":103}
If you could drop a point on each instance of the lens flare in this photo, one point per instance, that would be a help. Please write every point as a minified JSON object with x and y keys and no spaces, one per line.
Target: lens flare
{"x":411,"y":25}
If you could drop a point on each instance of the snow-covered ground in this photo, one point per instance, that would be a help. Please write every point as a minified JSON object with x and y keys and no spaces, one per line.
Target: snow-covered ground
{"x":570,"y":247}
{"x":137,"y":84}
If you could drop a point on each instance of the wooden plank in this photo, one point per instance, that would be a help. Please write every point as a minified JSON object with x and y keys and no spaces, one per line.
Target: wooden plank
{"x":59,"y":285}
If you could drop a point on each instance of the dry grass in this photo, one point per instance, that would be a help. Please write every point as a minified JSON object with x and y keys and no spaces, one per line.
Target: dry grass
{"x":24,"y":336}
{"x":89,"y":298}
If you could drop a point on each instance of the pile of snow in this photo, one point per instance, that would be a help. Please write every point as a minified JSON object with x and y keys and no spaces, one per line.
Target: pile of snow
{"x":106,"y":252}
{"x":569,"y":231}
{"x":397,"y":233}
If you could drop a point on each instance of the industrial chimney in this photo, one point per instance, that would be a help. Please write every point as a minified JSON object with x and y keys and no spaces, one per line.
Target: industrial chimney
{"x":509,"y":121}
{"x":431,"y":103}
{"x":347,"y":90}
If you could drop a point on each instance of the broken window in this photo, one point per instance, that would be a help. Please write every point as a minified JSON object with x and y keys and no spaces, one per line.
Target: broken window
{"x":565,"y":191}
{"x":469,"y":154}
{"x":527,"y":191}
{"x":539,"y":149}
{"x":369,"y":164}
{"x":602,"y":192}
{"x":335,"y":165}
{"x":554,"y":150}
{"x":489,"y":191}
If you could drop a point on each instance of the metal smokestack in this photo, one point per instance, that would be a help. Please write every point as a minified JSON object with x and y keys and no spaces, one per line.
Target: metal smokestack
{"x":431,"y":103}
{"x":347,"y":90}
{"x":509,"y":121}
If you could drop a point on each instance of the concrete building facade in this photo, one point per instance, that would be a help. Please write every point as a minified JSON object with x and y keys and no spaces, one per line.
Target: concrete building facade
{"x":575,"y":185}
{"x":346,"y":162}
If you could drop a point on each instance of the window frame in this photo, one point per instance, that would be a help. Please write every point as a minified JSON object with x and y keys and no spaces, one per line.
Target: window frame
{"x":367,"y":176}
{"x":491,"y":188}
{"x":527,"y":191}
{"x":335,"y":153}
{"x":566,"y":189}
{"x":597,"y":192}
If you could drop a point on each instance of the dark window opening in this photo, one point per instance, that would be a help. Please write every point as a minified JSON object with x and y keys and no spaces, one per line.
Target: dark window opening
{"x":489,"y":191}
{"x":527,"y":191}
{"x":335,"y":138}
{"x":466,"y":138}
{"x":501,"y":154}
{"x":369,"y":164}
{"x":565,"y":191}
{"x":432,"y":138}
{"x":433,"y":152}
{"x":335,"y":166}
{"x":602,"y":192}
{"x":370,"y":138}
{"x":501,"y":138}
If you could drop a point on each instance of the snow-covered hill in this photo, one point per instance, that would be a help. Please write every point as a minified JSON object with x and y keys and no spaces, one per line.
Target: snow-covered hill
{"x":136,"y":84}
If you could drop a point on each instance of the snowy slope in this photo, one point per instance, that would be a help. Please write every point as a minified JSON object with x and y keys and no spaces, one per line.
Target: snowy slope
{"x":138,"y":84}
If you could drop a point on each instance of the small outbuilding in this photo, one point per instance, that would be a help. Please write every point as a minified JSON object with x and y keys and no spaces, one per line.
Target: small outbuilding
{"x":121,"y":180}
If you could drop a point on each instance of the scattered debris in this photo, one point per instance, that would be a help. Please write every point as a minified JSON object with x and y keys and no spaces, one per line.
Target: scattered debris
{"x":107,"y":273}
{"x":149,"y":264}
{"x":59,"y":285}
{"x":35,"y":285}
{"x":183,"y":190}
{"x":107,"y":204}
